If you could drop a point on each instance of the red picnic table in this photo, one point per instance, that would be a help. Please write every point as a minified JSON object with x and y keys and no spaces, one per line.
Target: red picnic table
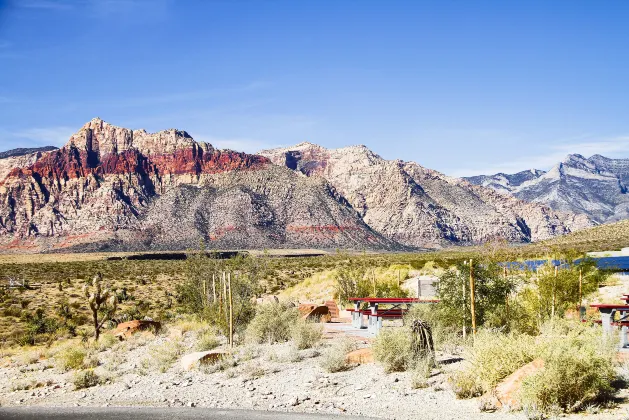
{"x":608,"y":318}
{"x":397,"y":308}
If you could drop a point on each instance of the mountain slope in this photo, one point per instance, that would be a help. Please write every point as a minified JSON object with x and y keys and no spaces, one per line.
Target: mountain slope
{"x":595,"y":187}
{"x":420,"y":207}
{"x":114,"y":187}
{"x":21,"y":151}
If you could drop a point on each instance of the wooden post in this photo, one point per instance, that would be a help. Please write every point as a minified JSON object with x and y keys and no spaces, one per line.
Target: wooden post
{"x":231,"y":312}
{"x":464,"y":312}
{"x":472,"y":292}
{"x":225,"y":296}
{"x":398,"y":279}
{"x":580,"y":291}
{"x":214,"y":286}
{"x":506,"y":296}
{"x":205,"y":296}
{"x":373,"y":279}
{"x":552,"y":310}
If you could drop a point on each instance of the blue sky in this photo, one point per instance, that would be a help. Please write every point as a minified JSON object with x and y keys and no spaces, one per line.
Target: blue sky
{"x":464,"y":87}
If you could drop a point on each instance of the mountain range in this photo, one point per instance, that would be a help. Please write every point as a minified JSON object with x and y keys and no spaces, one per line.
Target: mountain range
{"x":112,"y":188}
{"x":595,"y":187}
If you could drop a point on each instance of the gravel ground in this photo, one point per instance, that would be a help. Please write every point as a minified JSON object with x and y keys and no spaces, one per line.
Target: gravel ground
{"x":271,"y":378}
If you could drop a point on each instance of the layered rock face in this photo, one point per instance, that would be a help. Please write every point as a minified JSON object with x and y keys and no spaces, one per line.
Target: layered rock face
{"x":596,"y":187}
{"x":421,"y":207}
{"x":136,"y":190}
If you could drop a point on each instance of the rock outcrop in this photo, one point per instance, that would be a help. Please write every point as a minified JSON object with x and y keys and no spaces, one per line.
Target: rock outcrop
{"x":420,"y":207}
{"x":128,"y":189}
{"x":596,"y":187}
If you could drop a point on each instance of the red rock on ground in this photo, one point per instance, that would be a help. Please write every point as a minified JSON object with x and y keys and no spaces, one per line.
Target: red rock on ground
{"x":127,"y":329}
{"x":361,"y":357}
{"x":508,"y":389}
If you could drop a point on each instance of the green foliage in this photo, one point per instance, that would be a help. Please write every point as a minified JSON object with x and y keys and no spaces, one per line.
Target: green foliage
{"x":357,"y":279}
{"x":38,"y":325}
{"x":202,"y":293}
{"x":578,"y":370}
{"x":578,"y":366}
{"x":306,"y":334}
{"x":272,"y":323}
{"x":85,"y":379}
{"x":71,"y":357}
{"x":492,"y":289}
{"x":334,"y":359}
{"x":207,"y":341}
{"x":392,"y":348}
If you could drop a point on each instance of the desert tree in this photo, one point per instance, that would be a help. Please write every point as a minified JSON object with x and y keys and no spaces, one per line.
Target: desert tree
{"x":102,"y":302}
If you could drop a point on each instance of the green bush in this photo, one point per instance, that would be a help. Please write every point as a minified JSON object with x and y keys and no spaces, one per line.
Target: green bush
{"x":306,"y":334}
{"x":207,"y":341}
{"x":578,"y":370}
{"x":494,"y":356}
{"x":85,"y":379}
{"x":71,"y":357}
{"x":392,"y":348}
{"x":272,"y":323}
{"x":334,"y":359}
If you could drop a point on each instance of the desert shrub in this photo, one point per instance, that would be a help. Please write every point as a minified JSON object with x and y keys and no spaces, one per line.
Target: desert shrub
{"x":272,"y":323}
{"x":334,"y":359}
{"x":204,"y":274}
{"x":392,"y":348}
{"x":85,"y":379}
{"x":38,"y":325}
{"x":106,"y":341}
{"x":306,"y":334}
{"x":164,"y":355}
{"x":421,"y":372}
{"x":71,"y":357}
{"x":578,"y":370}
{"x":465,"y":384}
{"x":207,"y":341}
{"x":495,"y":355}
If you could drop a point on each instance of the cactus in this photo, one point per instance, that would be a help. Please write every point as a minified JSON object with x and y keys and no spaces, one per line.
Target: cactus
{"x":102,"y":302}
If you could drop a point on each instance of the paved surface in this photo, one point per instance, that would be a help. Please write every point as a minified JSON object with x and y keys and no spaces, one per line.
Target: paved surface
{"x":107,"y":413}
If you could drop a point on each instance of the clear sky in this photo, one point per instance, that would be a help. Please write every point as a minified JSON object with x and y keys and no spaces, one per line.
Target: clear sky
{"x":461,"y":86}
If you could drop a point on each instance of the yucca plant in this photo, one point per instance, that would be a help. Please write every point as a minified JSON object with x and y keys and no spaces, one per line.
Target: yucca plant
{"x":102,"y":302}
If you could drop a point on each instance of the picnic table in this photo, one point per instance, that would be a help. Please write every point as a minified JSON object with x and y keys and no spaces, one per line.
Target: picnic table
{"x":396,"y":309}
{"x":608,"y":318}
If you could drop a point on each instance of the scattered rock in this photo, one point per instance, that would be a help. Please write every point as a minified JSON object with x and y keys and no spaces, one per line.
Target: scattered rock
{"x":204,"y":357}
{"x":507,"y":390}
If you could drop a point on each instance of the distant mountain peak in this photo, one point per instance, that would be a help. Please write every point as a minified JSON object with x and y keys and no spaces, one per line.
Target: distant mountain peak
{"x":594,"y":186}
{"x":22,"y":151}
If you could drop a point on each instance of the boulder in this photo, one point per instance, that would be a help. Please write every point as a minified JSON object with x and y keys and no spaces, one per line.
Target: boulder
{"x":360,"y":357}
{"x":314,"y":312}
{"x":507,"y":390}
{"x":202,"y":357}
{"x":127,"y":329}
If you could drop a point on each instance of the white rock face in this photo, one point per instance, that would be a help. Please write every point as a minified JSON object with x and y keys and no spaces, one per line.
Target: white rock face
{"x":596,"y":187}
{"x":421,"y":207}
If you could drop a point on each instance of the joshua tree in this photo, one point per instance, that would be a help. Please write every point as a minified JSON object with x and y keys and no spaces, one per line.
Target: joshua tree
{"x":102,"y":301}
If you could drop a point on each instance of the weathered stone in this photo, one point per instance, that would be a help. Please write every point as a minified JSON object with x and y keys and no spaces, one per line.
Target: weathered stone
{"x":361,"y":356}
{"x":127,"y":329}
{"x":507,"y":390}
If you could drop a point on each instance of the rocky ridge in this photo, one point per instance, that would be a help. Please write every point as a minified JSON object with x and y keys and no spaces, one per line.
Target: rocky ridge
{"x":129,"y":189}
{"x":596,"y":187}
{"x":421,"y":207}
